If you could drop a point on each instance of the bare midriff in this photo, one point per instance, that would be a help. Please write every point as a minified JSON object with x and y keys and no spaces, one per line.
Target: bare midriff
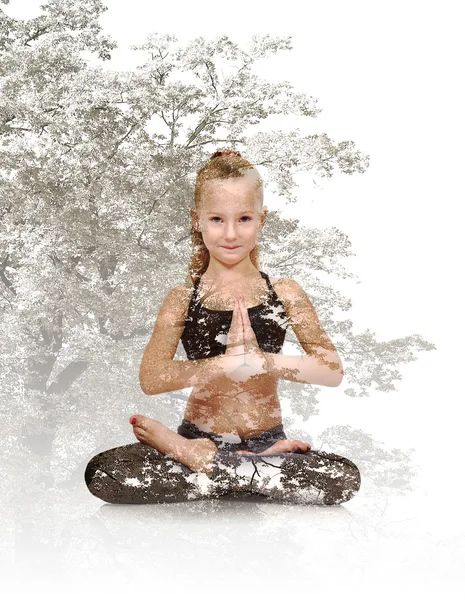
{"x":241,"y":409}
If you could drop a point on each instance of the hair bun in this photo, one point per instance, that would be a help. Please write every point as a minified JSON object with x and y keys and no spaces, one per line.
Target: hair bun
{"x":225,"y":153}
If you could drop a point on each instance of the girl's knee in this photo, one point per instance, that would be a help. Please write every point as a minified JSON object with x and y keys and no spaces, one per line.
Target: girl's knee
{"x":350,"y":483}
{"x":200,"y":455}
{"x":353,"y":475}
{"x":99,"y":479}
{"x":91,"y":469}
{"x":93,"y":478}
{"x":344,"y":481}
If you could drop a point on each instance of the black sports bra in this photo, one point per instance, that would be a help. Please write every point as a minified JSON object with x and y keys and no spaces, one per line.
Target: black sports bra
{"x":205,"y":330}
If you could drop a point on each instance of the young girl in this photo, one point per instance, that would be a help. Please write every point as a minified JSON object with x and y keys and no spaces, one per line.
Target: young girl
{"x":232,"y":323}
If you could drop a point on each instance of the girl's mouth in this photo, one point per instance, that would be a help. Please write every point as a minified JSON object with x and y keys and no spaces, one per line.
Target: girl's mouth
{"x":230,"y":247}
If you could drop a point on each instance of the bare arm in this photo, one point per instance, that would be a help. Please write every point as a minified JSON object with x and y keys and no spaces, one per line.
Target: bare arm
{"x":321,"y":363}
{"x":323,"y":368}
{"x":158,"y":372}
{"x":170,"y":375}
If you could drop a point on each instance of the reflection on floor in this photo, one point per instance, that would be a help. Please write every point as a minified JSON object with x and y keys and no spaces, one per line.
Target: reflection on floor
{"x":68,"y":544}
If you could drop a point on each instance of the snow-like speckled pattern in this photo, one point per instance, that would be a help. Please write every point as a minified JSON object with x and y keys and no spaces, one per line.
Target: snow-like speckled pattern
{"x":139,"y":474}
{"x":308,"y":478}
{"x":205,"y":331}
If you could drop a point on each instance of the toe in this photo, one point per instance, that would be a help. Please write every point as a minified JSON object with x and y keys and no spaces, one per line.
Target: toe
{"x":136,"y":419}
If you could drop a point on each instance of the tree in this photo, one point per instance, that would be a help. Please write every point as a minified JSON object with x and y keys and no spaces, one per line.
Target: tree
{"x":93,"y":204}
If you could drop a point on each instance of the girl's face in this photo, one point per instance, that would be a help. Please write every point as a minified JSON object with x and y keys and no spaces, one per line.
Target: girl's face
{"x":229,"y":217}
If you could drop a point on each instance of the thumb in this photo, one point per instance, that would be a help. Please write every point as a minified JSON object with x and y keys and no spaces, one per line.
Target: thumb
{"x":249,"y":334}
{"x":236,"y":332}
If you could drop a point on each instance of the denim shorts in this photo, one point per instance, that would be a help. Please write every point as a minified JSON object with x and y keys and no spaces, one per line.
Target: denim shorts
{"x":232,"y":442}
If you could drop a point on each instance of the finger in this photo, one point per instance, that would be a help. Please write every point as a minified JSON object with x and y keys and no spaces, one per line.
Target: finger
{"x":244,"y":313}
{"x":240,"y":303}
{"x":235,"y":339}
{"x":241,"y":309}
{"x":249,"y":334}
{"x":246,"y":318}
{"x":304,"y":446}
{"x":236,"y":318}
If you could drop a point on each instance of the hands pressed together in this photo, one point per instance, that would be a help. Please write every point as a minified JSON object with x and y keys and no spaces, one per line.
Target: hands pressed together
{"x":243,"y":359}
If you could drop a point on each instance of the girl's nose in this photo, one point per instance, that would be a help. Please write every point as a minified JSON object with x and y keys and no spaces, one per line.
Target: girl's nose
{"x":231,"y":232}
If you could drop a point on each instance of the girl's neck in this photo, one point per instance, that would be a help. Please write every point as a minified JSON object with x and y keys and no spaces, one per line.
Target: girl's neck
{"x":219,"y":274}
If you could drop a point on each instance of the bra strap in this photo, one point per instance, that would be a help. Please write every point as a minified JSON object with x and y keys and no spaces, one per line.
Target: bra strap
{"x":194,"y":301}
{"x":273,"y":293}
{"x":268,"y":282}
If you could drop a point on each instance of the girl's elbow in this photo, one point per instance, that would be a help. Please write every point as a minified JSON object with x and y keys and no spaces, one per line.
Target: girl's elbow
{"x":337,"y":380}
{"x":147,"y":391}
{"x":149,"y":388}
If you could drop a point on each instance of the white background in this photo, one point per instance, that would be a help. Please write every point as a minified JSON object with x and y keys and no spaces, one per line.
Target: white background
{"x":389,"y":76}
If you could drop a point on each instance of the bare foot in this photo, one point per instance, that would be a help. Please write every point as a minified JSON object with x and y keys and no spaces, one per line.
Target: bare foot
{"x":195,"y":454}
{"x":281,"y":446}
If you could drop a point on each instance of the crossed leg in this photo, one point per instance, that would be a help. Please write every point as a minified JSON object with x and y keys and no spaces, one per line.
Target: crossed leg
{"x":196,"y":454}
{"x":180,"y":469}
{"x":281,"y":446}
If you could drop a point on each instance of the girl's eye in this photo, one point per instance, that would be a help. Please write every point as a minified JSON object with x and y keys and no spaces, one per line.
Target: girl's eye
{"x":244,"y":217}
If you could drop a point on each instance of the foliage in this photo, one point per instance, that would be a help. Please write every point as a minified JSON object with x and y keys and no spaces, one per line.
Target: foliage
{"x":96,"y":177}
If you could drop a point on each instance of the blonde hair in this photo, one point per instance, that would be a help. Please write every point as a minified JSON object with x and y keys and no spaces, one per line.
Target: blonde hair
{"x":222,"y":164}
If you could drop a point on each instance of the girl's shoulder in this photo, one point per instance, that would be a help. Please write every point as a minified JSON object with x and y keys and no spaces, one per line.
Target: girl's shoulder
{"x":276,"y":280}
{"x":184,"y":291}
{"x":281,"y":283}
{"x":177,"y":300}
{"x":286,"y":288}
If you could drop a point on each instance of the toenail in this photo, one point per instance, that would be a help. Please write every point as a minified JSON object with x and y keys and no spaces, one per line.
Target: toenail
{"x":133,"y":420}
